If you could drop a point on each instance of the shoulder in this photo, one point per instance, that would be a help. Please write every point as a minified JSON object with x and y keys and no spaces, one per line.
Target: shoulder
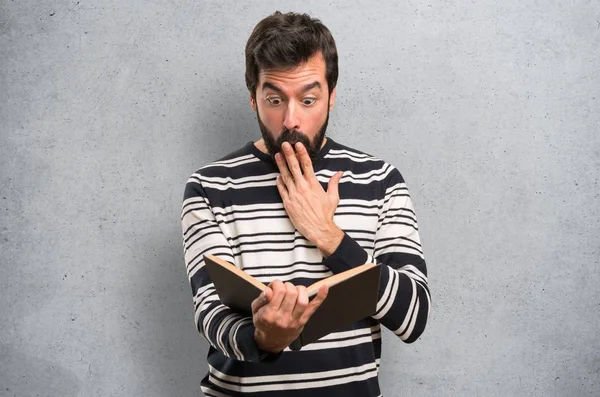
{"x":228,"y":166}
{"x":240,"y":170}
{"x":228,"y":162}
{"x":237,"y":164}
{"x":363,"y":163}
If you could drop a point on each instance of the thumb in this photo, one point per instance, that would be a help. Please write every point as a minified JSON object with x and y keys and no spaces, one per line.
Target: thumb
{"x":332,"y":185}
{"x":263,"y":299}
{"x":267,"y":295}
{"x":315,"y":303}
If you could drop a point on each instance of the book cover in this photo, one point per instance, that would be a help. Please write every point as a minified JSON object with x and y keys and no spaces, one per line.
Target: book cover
{"x":352,"y":296}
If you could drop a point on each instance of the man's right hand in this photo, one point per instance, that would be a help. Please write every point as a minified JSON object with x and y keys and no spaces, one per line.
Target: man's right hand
{"x":280,"y":313}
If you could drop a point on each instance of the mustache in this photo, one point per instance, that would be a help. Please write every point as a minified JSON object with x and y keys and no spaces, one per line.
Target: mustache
{"x":292,"y":136}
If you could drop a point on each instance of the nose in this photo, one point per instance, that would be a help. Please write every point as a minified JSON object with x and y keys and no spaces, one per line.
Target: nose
{"x":291,"y":119}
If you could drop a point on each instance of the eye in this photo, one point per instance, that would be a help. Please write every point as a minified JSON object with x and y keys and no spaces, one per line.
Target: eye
{"x":273,"y":100}
{"x":308,"y":101}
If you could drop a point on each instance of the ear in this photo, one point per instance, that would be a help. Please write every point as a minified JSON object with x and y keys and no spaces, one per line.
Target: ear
{"x":253,"y":102}
{"x":332,"y":98}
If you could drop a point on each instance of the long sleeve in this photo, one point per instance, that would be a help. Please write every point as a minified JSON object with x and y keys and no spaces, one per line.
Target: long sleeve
{"x":228,"y":332}
{"x":404,"y":298}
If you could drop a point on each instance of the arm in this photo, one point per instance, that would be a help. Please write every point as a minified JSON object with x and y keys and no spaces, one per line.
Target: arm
{"x":227,"y":331}
{"x":403,"y":304}
{"x":404,"y":299}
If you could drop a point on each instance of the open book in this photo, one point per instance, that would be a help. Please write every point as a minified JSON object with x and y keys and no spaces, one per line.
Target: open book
{"x":352,"y":296}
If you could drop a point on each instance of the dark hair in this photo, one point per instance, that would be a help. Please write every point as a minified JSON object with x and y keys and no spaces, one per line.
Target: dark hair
{"x":283,"y":41}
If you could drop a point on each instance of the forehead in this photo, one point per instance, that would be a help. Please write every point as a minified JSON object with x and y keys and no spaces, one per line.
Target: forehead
{"x":296,"y":77}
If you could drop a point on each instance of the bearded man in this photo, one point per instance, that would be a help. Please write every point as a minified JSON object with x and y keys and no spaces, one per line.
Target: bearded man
{"x":290,"y":209}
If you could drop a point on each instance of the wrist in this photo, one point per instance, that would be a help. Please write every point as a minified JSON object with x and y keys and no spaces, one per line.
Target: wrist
{"x":349,"y":254}
{"x":262,"y":346}
{"x":265,"y":355}
{"x":330,"y":240}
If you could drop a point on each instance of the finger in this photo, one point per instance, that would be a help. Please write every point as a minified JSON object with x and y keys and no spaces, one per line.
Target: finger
{"x":315,"y":303}
{"x":289,"y":301}
{"x":278,"y":294}
{"x":305,"y":162}
{"x":283,"y":190}
{"x":263,"y":299}
{"x":287,"y":177}
{"x":332,"y":185}
{"x":292,"y":162}
{"x":301,"y":302}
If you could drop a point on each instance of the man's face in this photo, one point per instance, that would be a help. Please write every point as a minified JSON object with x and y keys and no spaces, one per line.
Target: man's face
{"x":293,"y":106}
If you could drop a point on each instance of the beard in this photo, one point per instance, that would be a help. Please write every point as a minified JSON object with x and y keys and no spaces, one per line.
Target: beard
{"x":293,"y":136}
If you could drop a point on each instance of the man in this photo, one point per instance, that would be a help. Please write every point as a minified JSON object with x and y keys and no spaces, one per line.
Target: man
{"x":290,"y":209}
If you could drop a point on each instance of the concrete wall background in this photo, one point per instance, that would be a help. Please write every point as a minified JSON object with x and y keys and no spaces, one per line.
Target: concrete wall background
{"x":489,"y":109}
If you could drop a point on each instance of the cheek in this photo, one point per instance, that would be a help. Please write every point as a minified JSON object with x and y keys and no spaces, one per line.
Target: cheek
{"x":317,"y":119}
{"x":271,"y":118}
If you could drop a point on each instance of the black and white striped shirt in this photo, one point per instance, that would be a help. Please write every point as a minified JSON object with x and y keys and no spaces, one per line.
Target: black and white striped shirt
{"x":232,"y":209}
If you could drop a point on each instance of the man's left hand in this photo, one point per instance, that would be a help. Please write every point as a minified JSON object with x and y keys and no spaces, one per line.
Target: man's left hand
{"x":309,"y":207}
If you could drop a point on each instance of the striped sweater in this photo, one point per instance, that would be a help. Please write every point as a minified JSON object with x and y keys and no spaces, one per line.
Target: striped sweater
{"x":232,"y":209}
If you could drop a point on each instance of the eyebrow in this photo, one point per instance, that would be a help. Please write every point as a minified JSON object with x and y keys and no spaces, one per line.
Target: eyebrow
{"x":307,"y":87}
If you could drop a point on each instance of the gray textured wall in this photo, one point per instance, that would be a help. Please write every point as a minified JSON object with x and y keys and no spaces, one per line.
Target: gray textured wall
{"x":490,"y":110}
